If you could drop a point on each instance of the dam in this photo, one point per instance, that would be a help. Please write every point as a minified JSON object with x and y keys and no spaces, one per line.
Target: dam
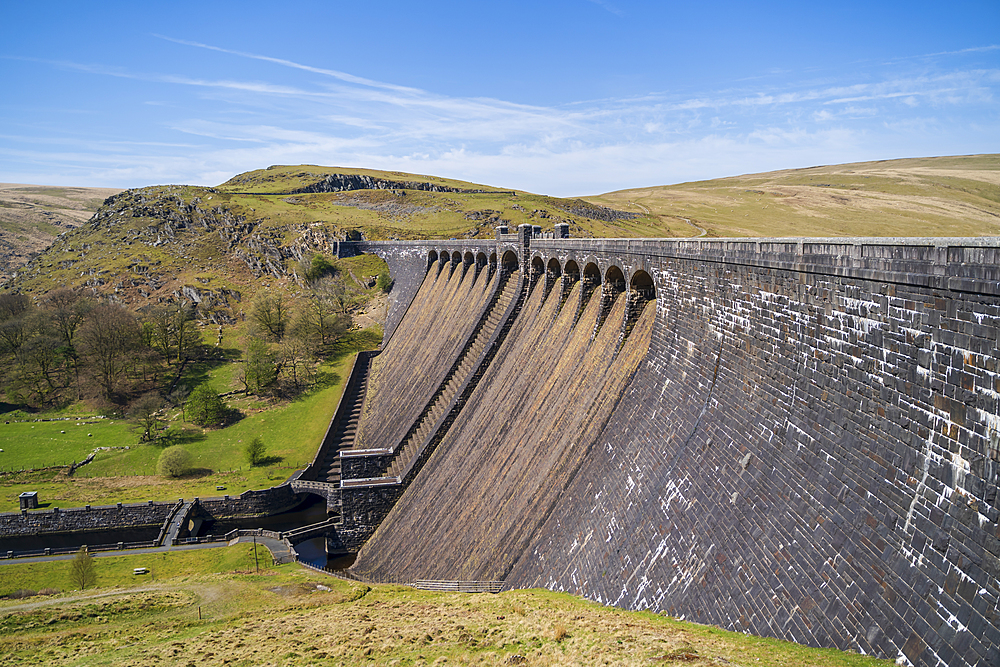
{"x":796,"y":438}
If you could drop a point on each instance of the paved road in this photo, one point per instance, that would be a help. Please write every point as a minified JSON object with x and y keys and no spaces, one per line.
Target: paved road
{"x":123,"y":552}
{"x":278,"y":550}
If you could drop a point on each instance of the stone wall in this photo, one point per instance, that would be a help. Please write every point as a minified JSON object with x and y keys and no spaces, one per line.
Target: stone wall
{"x":252,"y":503}
{"x":810,"y":450}
{"x":80,"y":519}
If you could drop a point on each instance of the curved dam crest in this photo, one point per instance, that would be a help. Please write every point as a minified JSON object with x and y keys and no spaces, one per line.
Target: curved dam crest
{"x":796,"y":438}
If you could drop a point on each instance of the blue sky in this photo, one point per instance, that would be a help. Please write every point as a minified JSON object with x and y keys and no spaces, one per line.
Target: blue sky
{"x":569,"y":97}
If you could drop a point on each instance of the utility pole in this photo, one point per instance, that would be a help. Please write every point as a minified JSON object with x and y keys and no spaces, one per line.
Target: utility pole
{"x":256,"y":564}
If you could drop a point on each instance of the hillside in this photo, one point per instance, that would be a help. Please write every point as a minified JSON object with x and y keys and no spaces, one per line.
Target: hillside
{"x":942,"y":196}
{"x":218,"y":246}
{"x":209,"y":608}
{"x":31,"y":216}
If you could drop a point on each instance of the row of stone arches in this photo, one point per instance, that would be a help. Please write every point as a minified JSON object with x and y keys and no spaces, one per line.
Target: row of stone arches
{"x":613,"y":280}
{"x":452,"y":259}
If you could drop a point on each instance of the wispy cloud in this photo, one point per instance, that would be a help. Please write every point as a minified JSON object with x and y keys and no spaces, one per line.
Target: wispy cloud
{"x":298,"y":113}
{"x":609,"y":7}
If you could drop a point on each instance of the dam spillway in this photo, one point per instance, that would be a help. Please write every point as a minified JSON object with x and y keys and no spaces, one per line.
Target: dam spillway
{"x":797,"y":438}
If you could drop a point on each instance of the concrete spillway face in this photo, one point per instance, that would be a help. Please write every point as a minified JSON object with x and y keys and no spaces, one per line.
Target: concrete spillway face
{"x":423,"y":348}
{"x":533,"y":417}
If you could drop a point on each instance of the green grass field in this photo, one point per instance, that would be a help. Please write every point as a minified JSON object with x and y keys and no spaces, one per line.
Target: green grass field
{"x":209,"y":608}
{"x":292,"y":432}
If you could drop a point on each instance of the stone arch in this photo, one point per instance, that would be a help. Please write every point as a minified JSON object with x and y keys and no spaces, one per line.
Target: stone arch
{"x":510,"y":262}
{"x":481,"y":261}
{"x":571,"y":270}
{"x":591,"y":281}
{"x":493,"y":262}
{"x":432,"y":257}
{"x":642,"y":284}
{"x":537,"y":270}
{"x":445,"y":257}
{"x":468,"y":259}
{"x":614,"y":280}
{"x":641,"y":291}
{"x":553,"y":268}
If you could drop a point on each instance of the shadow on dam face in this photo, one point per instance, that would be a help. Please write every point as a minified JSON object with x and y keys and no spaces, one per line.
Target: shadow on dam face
{"x":535,"y":413}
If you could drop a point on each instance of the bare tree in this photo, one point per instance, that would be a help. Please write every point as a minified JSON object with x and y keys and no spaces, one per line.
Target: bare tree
{"x":81,"y":571}
{"x":271,"y":313}
{"x":145,"y":413}
{"x":108,"y":339}
{"x":67,"y":310}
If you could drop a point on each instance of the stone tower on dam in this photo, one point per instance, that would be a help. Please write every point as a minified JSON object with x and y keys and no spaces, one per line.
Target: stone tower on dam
{"x":797,"y":438}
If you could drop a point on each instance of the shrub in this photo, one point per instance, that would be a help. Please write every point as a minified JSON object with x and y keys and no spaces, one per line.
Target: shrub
{"x":174,"y":461}
{"x":384,"y":281}
{"x":205,"y":407}
{"x":255,"y":451}
{"x":22,"y":593}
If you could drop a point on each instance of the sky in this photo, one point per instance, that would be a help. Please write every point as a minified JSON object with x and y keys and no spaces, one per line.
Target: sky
{"x":568,"y":97}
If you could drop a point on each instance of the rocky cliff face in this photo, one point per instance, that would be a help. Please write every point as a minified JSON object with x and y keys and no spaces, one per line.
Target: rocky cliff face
{"x":342,"y":182}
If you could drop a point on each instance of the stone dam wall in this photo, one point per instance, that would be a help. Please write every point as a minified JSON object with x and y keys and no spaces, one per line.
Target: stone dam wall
{"x":805,"y":445}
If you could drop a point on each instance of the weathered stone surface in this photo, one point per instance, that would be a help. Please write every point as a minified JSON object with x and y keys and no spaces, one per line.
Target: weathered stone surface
{"x":810,"y":449}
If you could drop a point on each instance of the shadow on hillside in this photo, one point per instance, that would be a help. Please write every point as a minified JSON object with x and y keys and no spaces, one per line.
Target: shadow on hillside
{"x":180,"y":437}
{"x":197,"y":473}
{"x":269,"y":460}
{"x":196,"y":371}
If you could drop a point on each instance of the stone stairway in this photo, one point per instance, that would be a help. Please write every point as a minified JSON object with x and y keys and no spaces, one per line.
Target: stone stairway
{"x":342,"y":435}
{"x":466,"y":365}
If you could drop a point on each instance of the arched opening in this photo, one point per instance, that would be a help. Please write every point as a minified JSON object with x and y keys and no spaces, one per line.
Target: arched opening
{"x":480,"y":262}
{"x":572,"y":271}
{"x":642,"y":290}
{"x":509,"y":263}
{"x":643,"y":285}
{"x":552,"y":273}
{"x":432,"y":257}
{"x":571,"y":274}
{"x":493,"y":262}
{"x":537,"y":270}
{"x":445,"y":257}
{"x":468,"y":259}
{"x":614,"y":281}
{"x":590,"y":280}
{"x":614,"y":284}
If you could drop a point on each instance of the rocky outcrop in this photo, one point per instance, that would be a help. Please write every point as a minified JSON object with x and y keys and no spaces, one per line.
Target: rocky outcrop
{"x":342,"y":182}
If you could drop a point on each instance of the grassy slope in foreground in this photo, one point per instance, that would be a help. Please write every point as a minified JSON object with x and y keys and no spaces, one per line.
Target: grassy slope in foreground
{"x":943,"y":196}
{"x":283,"y":617}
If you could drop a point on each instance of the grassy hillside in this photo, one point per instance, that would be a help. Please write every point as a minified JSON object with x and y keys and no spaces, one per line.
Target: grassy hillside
{"x":31,"y":216}
{"x":944,"y":196}
{"x":220,"y":245}
{"x":207,"y":608}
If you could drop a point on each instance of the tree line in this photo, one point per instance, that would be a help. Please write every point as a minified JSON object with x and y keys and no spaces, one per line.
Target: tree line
{"x":71,"y":345}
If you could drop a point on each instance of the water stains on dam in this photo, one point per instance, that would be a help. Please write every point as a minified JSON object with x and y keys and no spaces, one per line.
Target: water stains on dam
{"x":517,"y":441}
